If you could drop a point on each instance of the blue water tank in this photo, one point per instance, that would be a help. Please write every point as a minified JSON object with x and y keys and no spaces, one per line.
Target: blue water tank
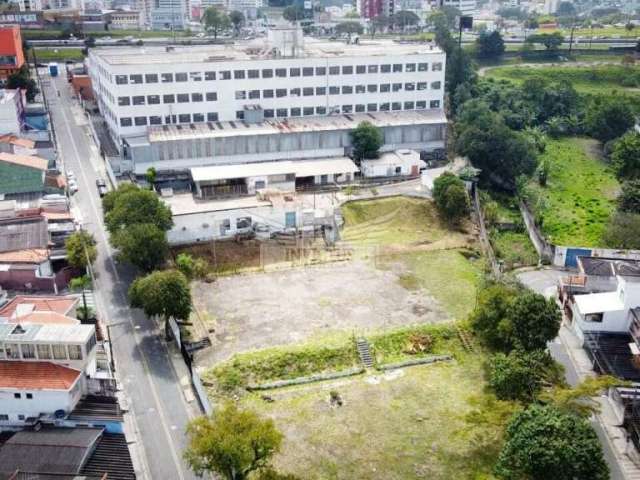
{"x":53,"y":69}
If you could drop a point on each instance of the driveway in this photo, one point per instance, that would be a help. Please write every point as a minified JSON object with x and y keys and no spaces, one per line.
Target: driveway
{"x":542,"y":281}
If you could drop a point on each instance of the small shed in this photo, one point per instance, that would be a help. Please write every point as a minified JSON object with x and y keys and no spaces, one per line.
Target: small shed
{"x":403,"y":162}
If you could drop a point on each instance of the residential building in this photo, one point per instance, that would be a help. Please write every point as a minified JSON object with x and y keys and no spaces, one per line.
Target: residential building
{"x":170,"y":14}
{"x":21,"y":174}
{"x":466,"y":7}
{"x":32,"y":19}
{"x":288,"y":78}
{"x":28,"y":5}
{"x":15,"y":145}
{"x":125,"y":20}
{"x":11,"y":55}
{"x":22,"y":308}
{"x":12,"y":111}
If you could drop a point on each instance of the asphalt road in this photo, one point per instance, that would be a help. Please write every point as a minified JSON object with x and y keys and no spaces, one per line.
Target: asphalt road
{"x":142,"y":362}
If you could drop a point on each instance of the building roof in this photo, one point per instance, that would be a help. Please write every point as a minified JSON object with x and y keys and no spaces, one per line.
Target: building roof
{"x":18,"y":141}
{"x":609,"y":267}
{"x":50,"y":333}
{"x":301,"y":168}
{"x":45,"y":318}
{"x":25,"y":160}
{"x":186,"y":204}
{"x":258,"y":50}
{"x":50,"y":450}
{"x":23,"y":234}
{"x":598,"y":302}
{"x":168,"y":133}
{"x":611,"y":354}
{"x":23,"y":304}
{"x":395,"y":157}
{"x":32,"y":255}
{"x":36,"y":376}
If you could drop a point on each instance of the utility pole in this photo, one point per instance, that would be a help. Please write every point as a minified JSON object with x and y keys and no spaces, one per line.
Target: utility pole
{"x":573,"y":28}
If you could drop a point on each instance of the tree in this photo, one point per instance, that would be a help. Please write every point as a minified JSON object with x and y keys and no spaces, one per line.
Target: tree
{"x":215,"y":21}
{"x":237,"y":19}
{"x":623,"y":231}
{"x":90,"y":42}
{"x":451,"y":198}
{"x":109,"y":200}
{"x":534,"y":321}
{"x":22,"y":80}
{"x":132,"y":206}
{"x":378,"y":24}
{"x":143,"y":245}
{"x":625,"y":156}
{"x":551,"y":41}
{"x":489,"y":318}
{"x":164,"y":293}
{"x":151,"y":176}
{"x":521,"y":375}
{"x":349,"y":28}
{"x":579,"y":400}
{"x":366,"y":139}
{"x":608,"y":118}
{"x":629,"y":198}
{"x":404,"y":19}
{"x":293,"y":13}
{"x":232,"y":443}
{"x":81,"y":249}
{"x":190,"y":267}
{"x":566,"y":9}
{"x":80,"y":284}
{"x":543,"y":442}
{"x":490,"y":45}
{"x":512,"y":13}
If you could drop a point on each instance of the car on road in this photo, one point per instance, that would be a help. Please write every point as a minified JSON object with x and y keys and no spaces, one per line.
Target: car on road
{"x":102,"y":187}
{"x":73,"y":186}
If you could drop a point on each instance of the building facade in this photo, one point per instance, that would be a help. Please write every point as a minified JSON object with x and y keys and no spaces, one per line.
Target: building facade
{"x":139,"y":88}
{"x":466,"y":7}
{"x":11,"y":55}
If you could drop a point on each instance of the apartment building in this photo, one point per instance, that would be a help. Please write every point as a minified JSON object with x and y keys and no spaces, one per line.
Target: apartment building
{"x":466,"y":7}
{"x":138,"y":88}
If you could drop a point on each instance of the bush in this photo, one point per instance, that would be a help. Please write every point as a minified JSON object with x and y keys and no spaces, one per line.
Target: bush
{"x":451,"y":197}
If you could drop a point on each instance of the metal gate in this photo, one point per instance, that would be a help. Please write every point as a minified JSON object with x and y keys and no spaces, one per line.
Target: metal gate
{"x":571,"y":259}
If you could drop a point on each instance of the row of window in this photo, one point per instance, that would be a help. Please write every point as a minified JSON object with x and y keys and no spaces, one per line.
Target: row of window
{"x":28,"y":396}
{"x":279,"y":113}
{"x":169,"y":98}
{"x":39,"y":351}
{"x":135,"y":79}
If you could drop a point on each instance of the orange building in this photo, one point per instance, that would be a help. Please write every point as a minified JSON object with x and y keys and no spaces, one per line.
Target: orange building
{"x":11,"y":55}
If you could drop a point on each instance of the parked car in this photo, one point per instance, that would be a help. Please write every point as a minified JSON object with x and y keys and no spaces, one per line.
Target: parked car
{"x":102,"y":187}
{"x":73,"y":186}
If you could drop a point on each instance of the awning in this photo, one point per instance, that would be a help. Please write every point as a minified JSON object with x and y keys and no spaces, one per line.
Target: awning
{"x":300,"y":168}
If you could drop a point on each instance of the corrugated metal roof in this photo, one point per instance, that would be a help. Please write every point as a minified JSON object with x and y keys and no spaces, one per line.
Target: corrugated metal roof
{"x":23,"y":234}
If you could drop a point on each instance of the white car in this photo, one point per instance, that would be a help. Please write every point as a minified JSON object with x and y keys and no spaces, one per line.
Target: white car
{"x":73,"y":186}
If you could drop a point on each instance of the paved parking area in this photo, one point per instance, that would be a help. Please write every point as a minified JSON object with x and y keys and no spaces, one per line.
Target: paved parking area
{"x":542,"y":281}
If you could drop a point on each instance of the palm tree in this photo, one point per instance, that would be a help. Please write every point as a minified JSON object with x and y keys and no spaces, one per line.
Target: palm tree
{"x":81,"y":284}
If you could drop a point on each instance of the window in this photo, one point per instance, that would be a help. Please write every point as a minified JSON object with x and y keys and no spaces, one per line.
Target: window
{"x":385,"y":107}
{"x":334,"y":70}
{"x":396,"y":87}
{"x":397,"y":67}
{"x":155,"y":120}
{"x":184,"y":118}
{"x":281,"y":112}
{"x":321,"y":110}
{"x":239,"y":114}
{"x":410,"y":87}
{"x":169,"y":98}
{"x":44,"y":352}
{"x":212,"y":117}
{"x":135,"y":79}
{"x":372,"y":88}
{"x":269,"y":113}
{"x":4,"y":417}
{"x":267,"y":73}
{"x":253,"y":73}
{"x":295,"y":112}
{"x":238,"y":74}
{"x":211,"y":96}
{"x":321,"y":70}
{"x":166,"y":77}
{"x":182,"y":77}
{"x":196,"y":97}
{"x":225,"y":75}
{"x":281,"y":92}
{"x":385,"y":87}
{"x":410,"y":67}
{"x":321,"y":90}
{"x":437,"y":67}
{"x":209,"y":75}
{"x":169,"y":119}
{"x":125,"y":122}
{"x":307,"y":72}
{"x":243,"y":222}
{"x":140,"y":121}
{"x":281,"y":72}
{"x":75,"y":352}
{"x":385,"y":68}
{"x":372,"y":107}
{"x":59,"y":352}
{"x":151,"y":78}
{"x":267,"y":93}
{"x":254,"y":94}
{"x":360,"y":89}
{"x":334,"y":90}
{"x":408,"y":105}
{"x":347,"y":89}
{"x":361,"y":69}
{"x":29,"y":396}
{"x":294,"y":72}
{"x":423,"y":67}
{"x":347,"y":108}
{"x":294,"y":92}
{"x":434,"y":104}
{"x":422,"y":85}
{"x":396,"y":106}
{"x":195,"y":76}
{"x":372,"y":69}
{"x":436,"y":85}
{"x":183,"y":98}
{"x":153,"y":99}
{"x":421,"y":105}
{"x":17,"y":395}
{"x":307,"y":91}
{"x":12,"y":350}
{"x":122,"y":79}
{"x":360,"y":108}
{"x":139,"y":100}
{"x":347,"y":70}
{"x":28,"y":350}
{"x":124,"y":101}
{"x":593,"y":317}
{"x":20,"y":417}
{"x":306,"y":111}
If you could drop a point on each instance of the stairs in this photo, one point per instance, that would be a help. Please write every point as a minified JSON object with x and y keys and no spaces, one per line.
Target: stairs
{"x":364,"y":352}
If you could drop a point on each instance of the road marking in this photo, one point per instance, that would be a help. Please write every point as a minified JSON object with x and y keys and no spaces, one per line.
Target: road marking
{"x":145,"y":364}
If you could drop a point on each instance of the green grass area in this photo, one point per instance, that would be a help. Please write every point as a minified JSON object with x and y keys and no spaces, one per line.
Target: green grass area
{"x":450,"y":276}
{"x":59,"y":55}
{"x":580,"y":194}
{"x":406,"y":424}
{"x":607,"y":32}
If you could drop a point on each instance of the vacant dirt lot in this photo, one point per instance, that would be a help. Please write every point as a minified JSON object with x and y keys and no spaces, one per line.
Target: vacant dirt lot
{"x":260,"y":310}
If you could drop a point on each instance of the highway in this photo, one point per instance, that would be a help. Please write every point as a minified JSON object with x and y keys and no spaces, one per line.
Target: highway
{"x":152,"y":389}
